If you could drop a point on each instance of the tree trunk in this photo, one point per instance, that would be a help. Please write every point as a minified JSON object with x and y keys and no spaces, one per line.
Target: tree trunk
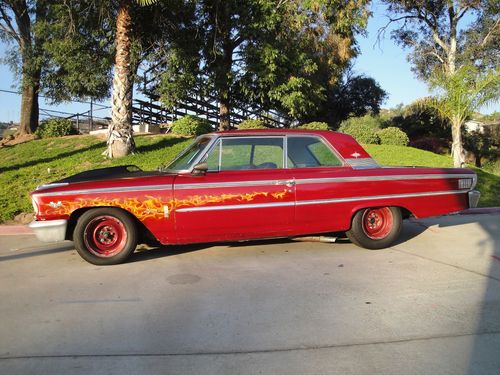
{"x":224,"y":112}
{"x":120,"y":141}
{"x":29,"y":105}
{"x":457,"y":150}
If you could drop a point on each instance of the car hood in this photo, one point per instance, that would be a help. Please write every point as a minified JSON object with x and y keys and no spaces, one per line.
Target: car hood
{"x":122,"y":171}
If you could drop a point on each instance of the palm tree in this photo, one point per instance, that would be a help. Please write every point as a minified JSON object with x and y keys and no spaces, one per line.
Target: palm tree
{"x":120,"y":140}
{"x":459,"y":95}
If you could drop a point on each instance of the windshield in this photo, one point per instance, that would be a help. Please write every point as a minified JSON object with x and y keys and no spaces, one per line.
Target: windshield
{"x":187,"y":156}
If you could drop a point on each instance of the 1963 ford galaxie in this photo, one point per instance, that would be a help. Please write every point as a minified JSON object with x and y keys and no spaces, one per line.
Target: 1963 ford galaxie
{"x":243,"y":185}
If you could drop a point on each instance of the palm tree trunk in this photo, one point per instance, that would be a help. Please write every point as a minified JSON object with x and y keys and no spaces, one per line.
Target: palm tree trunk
{"x":457,"y":149}
{"x":120,"y":141}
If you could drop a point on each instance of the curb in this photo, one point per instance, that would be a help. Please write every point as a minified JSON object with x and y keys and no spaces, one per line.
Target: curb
{"x":12,"y":230}
{"x":481,"y":211}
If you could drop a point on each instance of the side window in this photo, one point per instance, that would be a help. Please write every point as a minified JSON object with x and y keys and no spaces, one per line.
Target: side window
{"x":308,"y":152}
{"x":247,"y":153}
{"x":212,"y":159}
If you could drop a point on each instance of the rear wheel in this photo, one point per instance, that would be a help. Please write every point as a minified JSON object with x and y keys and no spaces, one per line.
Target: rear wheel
{"x":375,"y":228}
{"x":105,"y":236}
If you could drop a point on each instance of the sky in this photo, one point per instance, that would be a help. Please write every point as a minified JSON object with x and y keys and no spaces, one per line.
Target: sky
{"x":385,"y":62}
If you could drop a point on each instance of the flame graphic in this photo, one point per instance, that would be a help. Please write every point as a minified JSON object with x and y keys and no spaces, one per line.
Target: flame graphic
{"x":149,"y":207}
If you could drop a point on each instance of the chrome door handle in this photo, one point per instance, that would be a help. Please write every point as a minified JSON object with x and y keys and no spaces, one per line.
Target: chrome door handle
{"x":290,"y":183}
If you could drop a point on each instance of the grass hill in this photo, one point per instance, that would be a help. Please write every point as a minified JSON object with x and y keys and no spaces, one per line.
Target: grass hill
{"x":27,"y":165}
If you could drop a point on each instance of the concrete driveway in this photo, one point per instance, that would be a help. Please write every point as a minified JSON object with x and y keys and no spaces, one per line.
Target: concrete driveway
{"x":428,"y":305}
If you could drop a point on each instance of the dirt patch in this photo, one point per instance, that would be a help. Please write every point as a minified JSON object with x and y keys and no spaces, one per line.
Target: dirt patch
{"x":11,"y":141}
{"x":22,"y":218}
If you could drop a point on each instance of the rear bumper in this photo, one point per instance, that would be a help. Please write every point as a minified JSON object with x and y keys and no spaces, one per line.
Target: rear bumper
{"x":474,"y":196}
{"x":50,"y":230}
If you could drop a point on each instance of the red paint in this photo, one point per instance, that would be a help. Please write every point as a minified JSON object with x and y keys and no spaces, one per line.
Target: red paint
{"x":165,"y":211}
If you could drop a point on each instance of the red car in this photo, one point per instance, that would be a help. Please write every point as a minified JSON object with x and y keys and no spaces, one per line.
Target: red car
{"x":242,"y":185}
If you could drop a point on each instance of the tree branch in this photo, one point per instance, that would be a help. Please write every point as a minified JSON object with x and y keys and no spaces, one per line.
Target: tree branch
{"x":490,"y":33}
{"x":8,"y":28}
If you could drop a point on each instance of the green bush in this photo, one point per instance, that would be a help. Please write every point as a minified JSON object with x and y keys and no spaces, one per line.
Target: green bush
{"x":315,"y":125}
{"x":393,"y":136}
{"x":55,"y":127}
{"x":190,"y":126}
{"x":363,"y":133}
{"x":251,"y":124}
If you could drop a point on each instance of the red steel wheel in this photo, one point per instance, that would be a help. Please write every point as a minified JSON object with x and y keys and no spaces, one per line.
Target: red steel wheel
{"x":377,"y":222}
{"x":376,"y":227}
{"x":105,"y":236}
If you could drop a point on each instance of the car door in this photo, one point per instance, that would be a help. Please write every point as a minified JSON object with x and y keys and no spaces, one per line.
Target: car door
{"x":313,"y":165}
{"x":243,"y":195}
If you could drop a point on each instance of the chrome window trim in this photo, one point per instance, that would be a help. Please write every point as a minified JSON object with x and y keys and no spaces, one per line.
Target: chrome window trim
{"x":197,"y":159}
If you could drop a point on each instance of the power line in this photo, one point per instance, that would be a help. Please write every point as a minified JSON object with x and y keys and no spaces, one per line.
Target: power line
{"x":48,"y":97}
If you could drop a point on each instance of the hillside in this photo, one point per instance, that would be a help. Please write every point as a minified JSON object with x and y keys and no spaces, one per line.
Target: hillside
{"x":27,"y":165}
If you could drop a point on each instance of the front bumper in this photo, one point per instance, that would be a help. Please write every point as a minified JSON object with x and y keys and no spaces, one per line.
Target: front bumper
{"x":50,"y":230}
{"x":474,"y":196}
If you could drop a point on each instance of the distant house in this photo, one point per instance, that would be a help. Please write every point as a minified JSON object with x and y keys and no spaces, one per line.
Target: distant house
{"x":480,"y":126}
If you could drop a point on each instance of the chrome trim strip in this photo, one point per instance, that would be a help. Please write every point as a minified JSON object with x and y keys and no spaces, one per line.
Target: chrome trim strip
{"x":122,"y":189}
{"x":214,"y":185}
{"x":236,"y":207}
{"x":319,"y":201}
{"x":381,"y":178}
{"x":377,"y":197}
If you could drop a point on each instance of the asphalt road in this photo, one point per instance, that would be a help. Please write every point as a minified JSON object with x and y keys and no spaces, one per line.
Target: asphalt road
{"x":428,"y":305}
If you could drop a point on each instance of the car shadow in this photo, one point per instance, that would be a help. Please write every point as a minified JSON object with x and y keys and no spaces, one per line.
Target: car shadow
{"x":57,"y":247}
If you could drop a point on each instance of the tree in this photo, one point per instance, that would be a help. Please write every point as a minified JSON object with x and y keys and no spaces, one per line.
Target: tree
{"x":353,"y":96}
{"x":18,"y":19}
{"x":439,"y":34}
{"x":459,"y":95}
{"x":120,"y":141}
{"x":264,"y":53}
{"x":64,"y":52}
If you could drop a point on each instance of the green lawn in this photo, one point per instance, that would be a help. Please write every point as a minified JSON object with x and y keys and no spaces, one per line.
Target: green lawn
{"x":488,"y":183}
{"x":27,"y":165}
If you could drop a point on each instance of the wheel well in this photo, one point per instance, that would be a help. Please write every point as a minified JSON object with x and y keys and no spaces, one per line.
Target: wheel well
{"x":143,"y":233}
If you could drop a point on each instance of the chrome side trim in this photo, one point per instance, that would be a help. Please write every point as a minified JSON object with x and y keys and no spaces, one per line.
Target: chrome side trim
{"x":236,"y":207}
{"x":318,"y":201}
{"x":50,"y":230}
{"x":48,"y":186}
{"x":377,"y":197}
{"x":214,"y":185}
{"x":123,"y":189}
{"x":381,"y":178}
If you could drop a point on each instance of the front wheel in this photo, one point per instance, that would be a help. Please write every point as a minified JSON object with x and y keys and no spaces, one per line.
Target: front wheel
{"x":375,"y":228}
{"x":105,"y":236}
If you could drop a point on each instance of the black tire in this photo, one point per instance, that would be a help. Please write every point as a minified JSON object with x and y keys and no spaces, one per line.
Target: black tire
{"x":375,"y":228}
{"x":105,"y":236}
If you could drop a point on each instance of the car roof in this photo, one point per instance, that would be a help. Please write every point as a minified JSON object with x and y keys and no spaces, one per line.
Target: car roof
{"x":343,"y":143}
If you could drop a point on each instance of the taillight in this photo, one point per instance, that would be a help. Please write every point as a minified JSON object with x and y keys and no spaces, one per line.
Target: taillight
{"x":465,"y":183}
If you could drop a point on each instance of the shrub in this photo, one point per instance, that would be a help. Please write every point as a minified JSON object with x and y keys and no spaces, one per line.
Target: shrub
{"x":393,"y":136}
{"x":251,"y":124}
{"x":190,"y":126}
{"x":363,"y":133}
{"x":432,"y":144}
{"x":55,"y":127}
{"x":316,"y":125}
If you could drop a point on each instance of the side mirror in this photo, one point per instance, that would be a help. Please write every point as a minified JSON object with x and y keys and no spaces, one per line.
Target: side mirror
{"x":200,"y":169}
